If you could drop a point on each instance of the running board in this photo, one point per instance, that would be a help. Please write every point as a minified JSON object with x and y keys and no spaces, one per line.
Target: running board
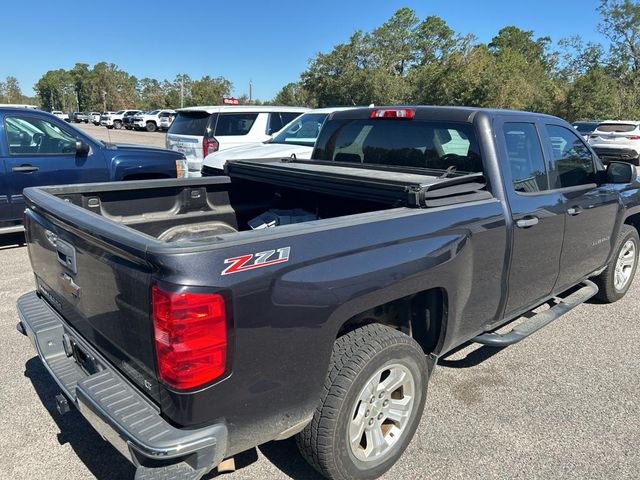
{"x":539,"y":320}
{"x":11,"y":229}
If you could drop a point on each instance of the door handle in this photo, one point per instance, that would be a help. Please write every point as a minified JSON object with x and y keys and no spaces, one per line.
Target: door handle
{"x":573,"y":211}
{"x":25,"y":169}
{"x":527,"y":222}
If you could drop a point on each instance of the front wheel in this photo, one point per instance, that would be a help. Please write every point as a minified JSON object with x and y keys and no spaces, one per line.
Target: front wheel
{"x":616,"y":278}
{"x":373,"y":400}
{"x":151,"y":127}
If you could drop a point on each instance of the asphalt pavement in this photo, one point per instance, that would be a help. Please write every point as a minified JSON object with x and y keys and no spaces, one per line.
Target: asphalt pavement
{"x":561,"y":404}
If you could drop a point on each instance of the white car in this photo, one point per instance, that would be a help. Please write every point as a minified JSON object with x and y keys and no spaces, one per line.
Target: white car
{"x":166,"y":119}
{"x":295,"y":139}
{"x":617,"y":140}
{"x":94,"y":117}
{"x":114,"y":119}
{"x":149,"y":121}
{"x":61,"y":115}
{"x":199,"y":131}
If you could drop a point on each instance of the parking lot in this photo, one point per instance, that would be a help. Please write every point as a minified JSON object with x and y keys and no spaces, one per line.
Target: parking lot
{"x":562,"y":404}
{"x":155,"y":139}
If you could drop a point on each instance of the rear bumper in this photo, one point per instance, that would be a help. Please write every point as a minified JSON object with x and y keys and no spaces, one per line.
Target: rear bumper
{"x":122,"y":415}
{"x":607,"y":153}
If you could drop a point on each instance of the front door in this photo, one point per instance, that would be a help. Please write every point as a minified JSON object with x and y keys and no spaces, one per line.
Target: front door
{"x":538,"y":216}
{"x":43,"y":152}
{"x":591,"y":210}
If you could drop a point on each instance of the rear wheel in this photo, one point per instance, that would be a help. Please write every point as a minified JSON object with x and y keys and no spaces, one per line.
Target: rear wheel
{"x":151,"y":127}
{"x":373,"y":400}
{"x":117,"y":125}
{"x":617,"y":277}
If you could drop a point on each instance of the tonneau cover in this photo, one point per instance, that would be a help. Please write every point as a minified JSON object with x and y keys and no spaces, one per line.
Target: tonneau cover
{"x":398,"y":187}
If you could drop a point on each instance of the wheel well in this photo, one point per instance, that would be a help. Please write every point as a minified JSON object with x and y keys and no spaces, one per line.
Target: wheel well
{"x":145,"y":176}
{"x":634,"y":221}
{"x":422,"y":316}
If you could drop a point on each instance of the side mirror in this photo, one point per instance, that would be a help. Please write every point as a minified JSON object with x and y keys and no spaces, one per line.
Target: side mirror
{"x":620,"y":172}
{"x":82,"y":148}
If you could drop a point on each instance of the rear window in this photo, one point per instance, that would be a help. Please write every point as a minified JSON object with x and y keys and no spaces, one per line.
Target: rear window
{"x":585,"y":127}
{"x":190,"y":123}
{"x":401,"y":143}
{"x":229,"y":124}
{"x":616,"y":127}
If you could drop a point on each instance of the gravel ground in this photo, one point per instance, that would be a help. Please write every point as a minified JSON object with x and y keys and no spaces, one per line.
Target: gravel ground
{"x":561,"y":404}
{"x":155,"y":139}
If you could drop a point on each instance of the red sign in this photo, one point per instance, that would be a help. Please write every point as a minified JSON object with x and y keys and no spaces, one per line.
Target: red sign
{"x":230,"y":101}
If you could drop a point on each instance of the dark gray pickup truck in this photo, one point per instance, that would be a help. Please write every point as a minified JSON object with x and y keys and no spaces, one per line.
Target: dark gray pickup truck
{"x":191,"y":320}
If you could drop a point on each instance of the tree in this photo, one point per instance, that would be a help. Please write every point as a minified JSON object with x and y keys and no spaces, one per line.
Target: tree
{"x":593,"y":95}
{"x":208,"y":91}
{"x":293,"y":94}
{"x":151,"y":94}
{"x":11,"y":90}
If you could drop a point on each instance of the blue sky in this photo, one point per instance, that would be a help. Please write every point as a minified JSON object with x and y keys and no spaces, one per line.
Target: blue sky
{"x":267,"y":42}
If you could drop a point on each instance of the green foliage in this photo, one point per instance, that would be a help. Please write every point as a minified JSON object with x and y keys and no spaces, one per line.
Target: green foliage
{"x":106,"y":87}
{"x":408,"y":60}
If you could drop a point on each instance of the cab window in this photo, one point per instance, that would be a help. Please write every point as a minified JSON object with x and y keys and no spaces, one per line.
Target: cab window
{"x":526,"y":161}
{"x":35,"y":136}
{"x":571,"y":162}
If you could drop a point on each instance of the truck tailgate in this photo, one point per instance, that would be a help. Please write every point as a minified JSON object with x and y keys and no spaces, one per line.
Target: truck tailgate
{"x":100,"y":289}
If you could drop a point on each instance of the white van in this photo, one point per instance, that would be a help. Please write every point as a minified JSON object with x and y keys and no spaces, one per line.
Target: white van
{"x":199,"y":131}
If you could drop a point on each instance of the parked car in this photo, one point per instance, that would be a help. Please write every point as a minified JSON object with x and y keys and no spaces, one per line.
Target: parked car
{"x":115,"y":120}
{"x":78,"y":117}
{"x":166,"y":119}
{"x":38,"y":148}
{"x":617,"y":140}
{"x":586,"y":127}
{"x":199,"y":131}
{"x":61,"y":115}
{"x":296,"y":139}
{"x":127,"y":118}
{"x":94,"y":117}
{"x":149,"y":121}
{"x":314,"y":298}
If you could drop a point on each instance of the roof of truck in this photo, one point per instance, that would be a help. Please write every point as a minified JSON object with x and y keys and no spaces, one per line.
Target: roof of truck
{"x":447,"y":113}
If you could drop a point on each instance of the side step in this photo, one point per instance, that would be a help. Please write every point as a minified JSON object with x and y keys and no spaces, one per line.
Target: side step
{"x":539,"y":320}
{"x":11,"y":229}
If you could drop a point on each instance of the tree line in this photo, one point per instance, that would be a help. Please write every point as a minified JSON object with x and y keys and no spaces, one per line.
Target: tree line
{"x":407,"y":60}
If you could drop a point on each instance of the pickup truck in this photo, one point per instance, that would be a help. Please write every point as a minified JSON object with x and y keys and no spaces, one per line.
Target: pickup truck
{"x":149,"y":121}
{"x":38,"y":148}
{"x":190,"y":321}
{"x":115,"y":119}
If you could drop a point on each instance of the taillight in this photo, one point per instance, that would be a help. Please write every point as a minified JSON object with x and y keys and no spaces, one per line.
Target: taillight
{"x":407,"y":113}
{"x":633,"y":137}
{"x":209,"y":145}
{"x":190,"y":331}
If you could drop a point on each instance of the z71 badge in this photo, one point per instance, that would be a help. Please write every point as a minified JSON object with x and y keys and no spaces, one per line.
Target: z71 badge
{"x":256,"y":260}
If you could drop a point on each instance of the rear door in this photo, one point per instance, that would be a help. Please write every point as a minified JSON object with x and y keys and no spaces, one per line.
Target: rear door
{"x":537,"y":212}
{"x":43,"y":152}
{"x":186,"y":134}
{"x":590,"y":209}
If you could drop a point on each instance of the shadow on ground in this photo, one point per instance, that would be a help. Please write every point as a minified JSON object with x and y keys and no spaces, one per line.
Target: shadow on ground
{"x":106,"y":463}
{"x":11,"y":240}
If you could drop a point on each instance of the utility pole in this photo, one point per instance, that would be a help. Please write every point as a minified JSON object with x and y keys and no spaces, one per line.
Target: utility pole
{"x":250,"y":90}
{"x":182,"y":91}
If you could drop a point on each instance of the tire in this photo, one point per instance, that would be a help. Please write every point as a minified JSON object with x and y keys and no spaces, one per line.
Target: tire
{"x":151,"y":127}
{"x":358,"y":361}
{"x":109,"y":126}
{"x":117,"y":125}
{"x":623,"y":263}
